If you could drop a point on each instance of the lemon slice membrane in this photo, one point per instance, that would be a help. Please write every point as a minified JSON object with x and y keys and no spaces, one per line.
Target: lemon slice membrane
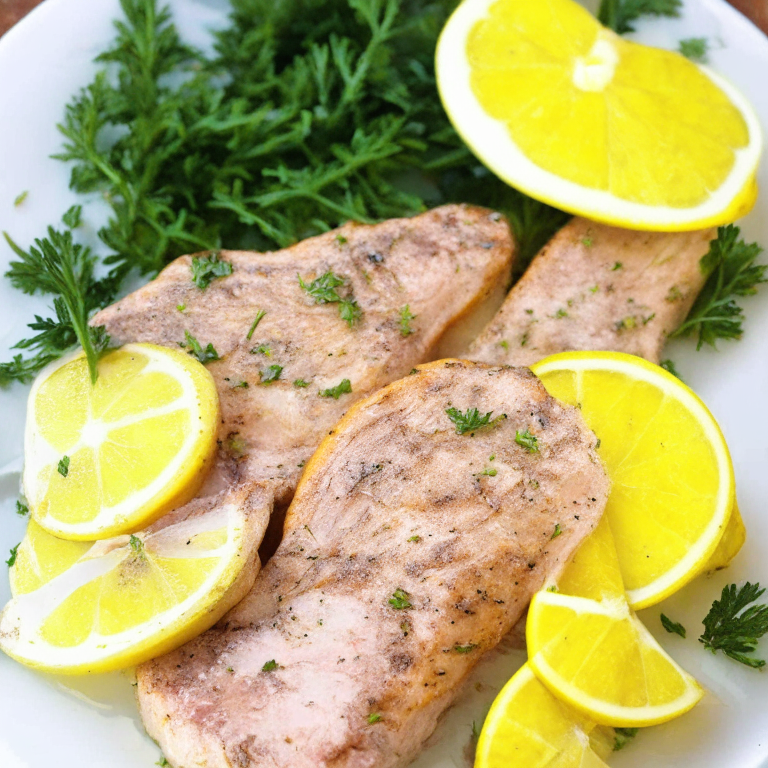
{"x":571,"y":114}
{"x":110,"y":458}
{"x":125,"y":600}
{"x":672,"y":478}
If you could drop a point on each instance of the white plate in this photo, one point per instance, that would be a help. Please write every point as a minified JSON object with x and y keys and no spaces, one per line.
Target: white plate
{"x":47,"y":722}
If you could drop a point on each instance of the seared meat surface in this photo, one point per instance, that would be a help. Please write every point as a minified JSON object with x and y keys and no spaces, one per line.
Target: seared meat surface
{"x":595,"y":287}
{"x":278,"y":382}
{"x":409,"y":551}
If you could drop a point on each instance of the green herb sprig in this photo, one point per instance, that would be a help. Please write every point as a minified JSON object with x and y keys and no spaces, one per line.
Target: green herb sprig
{"x":619,"y":15}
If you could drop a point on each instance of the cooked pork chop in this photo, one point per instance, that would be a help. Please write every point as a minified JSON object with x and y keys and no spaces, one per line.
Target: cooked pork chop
{"x":409,"y":551}
{"x":598,"y":287}
{"x":277,"y":381}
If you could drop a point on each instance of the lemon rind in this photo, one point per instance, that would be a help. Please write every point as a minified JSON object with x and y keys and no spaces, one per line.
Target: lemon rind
{"x":491,"y":142}
{"x":699,"y":554}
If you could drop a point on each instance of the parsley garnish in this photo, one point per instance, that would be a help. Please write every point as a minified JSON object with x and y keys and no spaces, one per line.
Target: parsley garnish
{"x":618,"y":15}
{"x":63,"y":467}
{"x":374,"y":717}
{"x":400,"y":600}
{"x":269,"y":666}
{"x":617,"y":266}
{"x":343,"y":388}
{"x":300,"y":383}
{"x":622,"y":737}
{"x":259,"y":315}
{"x":73,"y":217}
{"x":405,"y":321}
{"x":21,"y":508}
{"x":734,"y":628}
{"x":732,"y":273}
{"x":695,"y":49}
{"x":527,"y":440}
{"x":162,"y":762}
{"x":416,"y":538}
{"x":669,"y":366}
{"x":465,"y":648}
{"x":270,"y":374}
{"x":557,"y":532}
{"x":14,"y":553}
{"x":137,"y":545}
{"x":206,"y":268}
{"x":323,"y":290}
{"x":489,"y":472}
{"x":262,"y":349}
{"x":673,"y":627}
{"x":196,"y":349}
{"x":472,"y":421}
{"x":20,"y":198}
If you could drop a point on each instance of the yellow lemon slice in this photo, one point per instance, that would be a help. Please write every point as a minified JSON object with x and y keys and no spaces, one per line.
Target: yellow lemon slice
{"x":110,"y":458}
{"x":81,"y":608}
{"x":572,"y":114}
{"x":527,"y":727}
{"x":591,"y":651}
{"x":672,"y":484}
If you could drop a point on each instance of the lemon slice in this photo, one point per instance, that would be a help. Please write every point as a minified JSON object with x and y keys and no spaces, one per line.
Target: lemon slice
{"x":730,"y":545}
{"x":672,"y":479}
{"x":527,"y":727}
{"x":111,"y":458}
{"x":590,"y":650}
{"x":122,"y":601}
{"x":570,"y":113}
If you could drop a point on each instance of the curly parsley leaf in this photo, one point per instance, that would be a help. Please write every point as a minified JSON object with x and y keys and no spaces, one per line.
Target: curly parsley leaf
{"x":270,"y":374}
{"x":527,"y":441}
{"x":206,"y":268}
{"x":400,"y":600}
{"x":196,"y":349}
{"x":734,"y":626}
{"x":323,"y":290}
{"x":695,"y":48}
{"x":619,"y":15}
{"x":471,"y":421}
{"x":673,"y":627}
{"x":343,"y":388}
{"x":405,"y":321}
{"x":730,"y":264}
{"x":10,"y":562}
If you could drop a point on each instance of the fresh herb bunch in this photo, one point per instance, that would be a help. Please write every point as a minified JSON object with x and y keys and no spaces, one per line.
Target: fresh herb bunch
{"x":732,"y":272}
{"x":619,"y":15}
{"x":734,"y":626}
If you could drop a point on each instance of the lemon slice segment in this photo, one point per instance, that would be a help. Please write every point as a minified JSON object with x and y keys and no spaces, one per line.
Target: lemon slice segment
{"x":590,"y":650}
{"x":527,"y":727}
{"x":110,"y":458}
{"x":572,"y":114}
{"x":672,"y":479}
{"x":122,"y":601}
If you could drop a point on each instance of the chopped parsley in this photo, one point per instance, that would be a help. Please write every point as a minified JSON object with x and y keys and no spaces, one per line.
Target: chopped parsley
{"x":415,"y":538}
{"x":137,"y":545}
{"x":400,"y":600}
{"x":617,"y":266}
{"x":557,"y":532}
{"x":323,"y":290}
{"x":63,"y":467}
{"x":673,"y":627}
{"x":733,"y":273}
{"x":527,"y":440}
{"x":472,"y":421}
{"x":300,"y":383}
{"x":622,"y":737}
{"x":206,"y":268}
{"x":14,"y":553}
{"x":262,"y":349}
{"x":181,"y":307}
{"x":695,"y":48}
{"x":269,"y":666}
{"x":343,"y":388}
{"x":21,"y":508}
{"x":465,"y":648}
{"x":162,"y":762}
{"x":619,"y":15}
{"x":196,"y":349}
{"x":734,"y":626}
{"x":561,"y":313}
{"x":669,"y":366}
{"x":405,"y":321}
{"x":270,"y":374}
{"x":374,"y":717}
{"x":489,"y":472}
{"x":259,"y":315}
{"x":587,"y":242}
{"x":20,"y":198}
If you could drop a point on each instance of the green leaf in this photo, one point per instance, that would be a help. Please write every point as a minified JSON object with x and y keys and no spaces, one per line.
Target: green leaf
{"x":527,"y":440}
{"x":400,"y":600}
{"x":695,"y":48}
{"x":206,"y":268}
{"x":672,"y":627}
{"x":619,"y":15}
{"x":343,"y":388}
{"x":471,"y":421}
{"x":195,"y":348}
{"x":270,"y":374}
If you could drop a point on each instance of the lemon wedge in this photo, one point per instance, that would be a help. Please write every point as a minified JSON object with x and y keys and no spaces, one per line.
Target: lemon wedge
{"x":81,"y":608}
{"x":588,"y":647}
{"x":106,"y":459}
{"x":576,"y":116}
{"x":527,"y":727}
{"x":672,"y":483}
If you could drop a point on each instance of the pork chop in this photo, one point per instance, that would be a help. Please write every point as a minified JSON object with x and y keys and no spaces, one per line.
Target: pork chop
{"x":596,"y":287}
{"x":409,"y":551}
{"x":282,"y":383}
